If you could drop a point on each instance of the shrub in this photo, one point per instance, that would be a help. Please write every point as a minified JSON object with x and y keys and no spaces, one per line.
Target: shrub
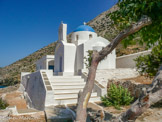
{"x":3,"y":104}
{"x":88,"y":59}
{"x":117,"y":96}
{"x":9,"y":82}
{"x":148,"y":64}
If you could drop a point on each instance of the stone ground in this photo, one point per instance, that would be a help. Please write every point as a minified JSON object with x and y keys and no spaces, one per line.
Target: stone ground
{"x":153,"y":114}
{"x":6,"y":116}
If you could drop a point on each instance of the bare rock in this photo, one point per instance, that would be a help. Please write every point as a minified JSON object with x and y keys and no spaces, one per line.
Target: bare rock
{"x":58,"y":114}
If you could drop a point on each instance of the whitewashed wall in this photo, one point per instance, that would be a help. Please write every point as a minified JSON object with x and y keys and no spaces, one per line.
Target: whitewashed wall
{"x":59,"y":52}
{"x":43,"y":63}
{"x":98,"y":43}
{"x":79,"y":64}
{"x":68,"y":52}
{"x":35,"y":88}
{"x":83,"y":36}
{"x":69,"y":61}
{"x":127,"y":61}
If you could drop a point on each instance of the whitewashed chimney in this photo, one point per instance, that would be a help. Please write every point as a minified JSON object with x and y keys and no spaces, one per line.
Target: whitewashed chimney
{"x":63,"y":32}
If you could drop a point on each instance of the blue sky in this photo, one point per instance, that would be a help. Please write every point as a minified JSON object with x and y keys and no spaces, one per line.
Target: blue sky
{"x":28,"y":25}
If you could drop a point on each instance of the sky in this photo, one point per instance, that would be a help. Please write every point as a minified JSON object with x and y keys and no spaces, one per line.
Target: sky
{"x":28,"y":25}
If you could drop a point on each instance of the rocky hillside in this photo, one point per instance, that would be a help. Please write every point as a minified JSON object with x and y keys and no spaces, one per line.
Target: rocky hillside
{"x":102,"y":25}
{"x":11,"y":73}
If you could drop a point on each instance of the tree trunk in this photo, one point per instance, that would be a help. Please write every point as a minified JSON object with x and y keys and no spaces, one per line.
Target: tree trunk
{"x":86,"y":94}
{"x":81,"y":114}
{"x":150,"y":96}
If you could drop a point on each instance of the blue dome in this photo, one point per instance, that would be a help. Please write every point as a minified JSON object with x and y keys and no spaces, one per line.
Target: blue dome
{"x":84,"y":28}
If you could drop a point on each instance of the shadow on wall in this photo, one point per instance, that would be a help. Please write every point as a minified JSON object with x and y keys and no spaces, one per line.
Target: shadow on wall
{"x":127,"y":61}
{"x":35,"y":89}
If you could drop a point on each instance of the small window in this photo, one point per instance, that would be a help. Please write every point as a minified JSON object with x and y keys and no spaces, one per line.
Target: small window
{"x":77,"y":37}
{"x":90,"y":36}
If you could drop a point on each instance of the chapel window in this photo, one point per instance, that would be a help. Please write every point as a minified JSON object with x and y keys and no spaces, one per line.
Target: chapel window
{"x":90,"y":36}
{"x":77,"y":37}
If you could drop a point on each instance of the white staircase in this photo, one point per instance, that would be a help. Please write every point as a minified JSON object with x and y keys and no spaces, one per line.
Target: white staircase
{"x":66,"y":89}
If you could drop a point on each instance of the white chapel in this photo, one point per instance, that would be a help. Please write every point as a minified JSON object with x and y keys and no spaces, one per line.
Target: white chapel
{"x":70,"y":57}
{"x":59,"y":78}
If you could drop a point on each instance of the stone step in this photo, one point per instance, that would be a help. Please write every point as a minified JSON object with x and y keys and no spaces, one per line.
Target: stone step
{"x":67,"y":80}
{"x":70,"y":96}
{"x":74,"y":100}
{"x":47,"y":83}
{"x":26,"y":111}
{"x":67,"y":91}
{"x":45,"y":79}
{"x":58,"y":77}
{"x":67,"y":83}
{"x":70,"y":82}
{"x":63,"y":87}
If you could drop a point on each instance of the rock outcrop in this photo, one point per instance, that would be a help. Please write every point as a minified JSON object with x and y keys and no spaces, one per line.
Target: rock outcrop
{"x":134,"y":88}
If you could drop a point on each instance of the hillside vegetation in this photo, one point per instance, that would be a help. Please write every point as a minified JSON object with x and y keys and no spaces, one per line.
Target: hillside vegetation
{"x":11,"y":73}
{"x":102,"y":24}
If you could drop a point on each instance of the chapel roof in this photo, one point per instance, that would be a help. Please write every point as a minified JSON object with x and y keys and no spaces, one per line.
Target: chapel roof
{"x":84,"y":28}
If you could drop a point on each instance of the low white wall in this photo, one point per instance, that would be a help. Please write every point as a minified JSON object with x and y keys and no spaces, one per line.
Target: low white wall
{"x":49,"y":93}
{"x":99,"y":88}
{"x":127,"y":61}
{"x":43,"y":63}
{"x":24,"y":73}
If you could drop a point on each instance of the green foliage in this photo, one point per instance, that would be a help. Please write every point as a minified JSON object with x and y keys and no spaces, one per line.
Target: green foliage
{"x":9,"y":82}
{"x":117,"y":96}
{"x":130,"y":11}
{"x":88,"y":59}
{"x":148,"y":64}
{"x":3,"y":104}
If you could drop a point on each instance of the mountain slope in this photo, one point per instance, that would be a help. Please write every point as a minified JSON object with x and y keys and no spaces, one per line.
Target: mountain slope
{"x":11,"y":73}
{"x":102,"y":25}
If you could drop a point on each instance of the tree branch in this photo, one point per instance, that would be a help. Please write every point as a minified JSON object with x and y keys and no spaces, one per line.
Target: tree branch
{"x":81,"y":113}
{"x":144,"y":21}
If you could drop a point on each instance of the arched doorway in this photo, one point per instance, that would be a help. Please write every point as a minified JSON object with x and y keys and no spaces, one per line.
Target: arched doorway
{"x":60,"y":67}
{"x":51,"y":65}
